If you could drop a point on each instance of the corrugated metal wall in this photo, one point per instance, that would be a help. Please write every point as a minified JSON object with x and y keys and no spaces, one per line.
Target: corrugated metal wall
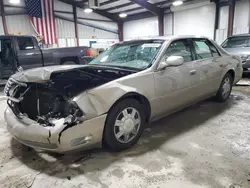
{"x":147,"y":27}
{"x":1,"y":27}
{"x":86,"y":32}
{"x":65,"y":29}
{"x":19,"y":24}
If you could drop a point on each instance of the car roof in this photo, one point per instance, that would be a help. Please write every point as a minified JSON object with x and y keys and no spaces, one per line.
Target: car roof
{"x":17,"y":36}
{"x":240,"y":35}
{"x":167,"y":38}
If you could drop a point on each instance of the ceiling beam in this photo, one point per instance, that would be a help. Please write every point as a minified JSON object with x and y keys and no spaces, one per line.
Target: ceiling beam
{"x":119,"y":6}
{"x":150,"y":7}
{"x":81,"y":2}
{"x":108,"y":2}
{"x":139,"y":16}
{"x":103,"y":13}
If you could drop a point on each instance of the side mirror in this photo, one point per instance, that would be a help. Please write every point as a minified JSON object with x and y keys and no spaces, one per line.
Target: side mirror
{"x":171,"y":61}
{"x":40,"y":44}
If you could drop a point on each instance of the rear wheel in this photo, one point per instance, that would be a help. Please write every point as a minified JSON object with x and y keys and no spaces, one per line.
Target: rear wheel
{"x":124,"y":125}
{"x":225,"y":88}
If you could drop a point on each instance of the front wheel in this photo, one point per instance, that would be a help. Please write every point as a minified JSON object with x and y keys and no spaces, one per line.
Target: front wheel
{"x":124,"y":125}
{"x":225,"y":88}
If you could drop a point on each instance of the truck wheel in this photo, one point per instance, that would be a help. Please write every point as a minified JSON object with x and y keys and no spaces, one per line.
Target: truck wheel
{"x":124,"y":125}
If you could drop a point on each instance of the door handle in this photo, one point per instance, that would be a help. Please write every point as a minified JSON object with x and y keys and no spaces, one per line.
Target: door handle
{"x":192,"y":72}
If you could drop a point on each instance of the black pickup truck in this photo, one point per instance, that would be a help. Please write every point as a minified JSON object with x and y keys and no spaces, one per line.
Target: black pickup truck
{"x":24,"y":52}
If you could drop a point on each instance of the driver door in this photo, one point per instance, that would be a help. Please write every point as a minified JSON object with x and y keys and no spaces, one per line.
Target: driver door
{"x":175,"y":85}
{"x":7,"y":57}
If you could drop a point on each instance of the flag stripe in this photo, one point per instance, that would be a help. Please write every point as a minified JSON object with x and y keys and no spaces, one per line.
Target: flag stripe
{"x":48,"y":20}
{"x":42,"y":18}
{"x":54,"y":23}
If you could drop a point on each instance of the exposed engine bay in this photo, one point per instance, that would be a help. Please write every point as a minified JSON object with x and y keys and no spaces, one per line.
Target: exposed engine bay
{"x":53,"y":100}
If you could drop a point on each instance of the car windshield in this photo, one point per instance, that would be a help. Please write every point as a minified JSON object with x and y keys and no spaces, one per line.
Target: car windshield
{"x":237,"y":42}
{"x":136,"y":55}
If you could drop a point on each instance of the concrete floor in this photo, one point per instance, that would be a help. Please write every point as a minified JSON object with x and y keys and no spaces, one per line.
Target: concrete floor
{"x":206,"y":145}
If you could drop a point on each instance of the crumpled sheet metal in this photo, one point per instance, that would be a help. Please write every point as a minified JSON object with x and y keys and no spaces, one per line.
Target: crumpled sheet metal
{"x":99,"y":100}
{"x":41,"y":74}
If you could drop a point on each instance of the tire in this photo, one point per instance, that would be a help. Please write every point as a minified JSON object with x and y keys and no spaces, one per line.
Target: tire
{"x":225,"y":90}
{"x":116,"y":114}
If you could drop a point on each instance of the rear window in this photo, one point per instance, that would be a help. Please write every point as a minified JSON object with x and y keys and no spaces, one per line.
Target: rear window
{"x":237,"y":42}
{"x":25,"y":43}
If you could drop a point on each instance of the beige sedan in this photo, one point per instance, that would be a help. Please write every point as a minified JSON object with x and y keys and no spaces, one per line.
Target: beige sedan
{"x":66,"y":108}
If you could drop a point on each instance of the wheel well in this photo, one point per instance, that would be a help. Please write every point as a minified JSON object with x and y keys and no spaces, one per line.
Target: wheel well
{"x":142,"y":99}
{"x":65,"y":59}
{"x":232,"y":73}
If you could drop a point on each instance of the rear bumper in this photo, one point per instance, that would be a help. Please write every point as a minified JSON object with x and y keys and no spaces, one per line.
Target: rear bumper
{"x":59,"y":138}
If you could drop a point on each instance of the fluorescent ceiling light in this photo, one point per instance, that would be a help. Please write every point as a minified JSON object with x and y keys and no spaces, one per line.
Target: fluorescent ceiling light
{"x":123,"y":15}
{"x":177,"y":3}
{"x":14,"y":1}
{"x":88,"y":10}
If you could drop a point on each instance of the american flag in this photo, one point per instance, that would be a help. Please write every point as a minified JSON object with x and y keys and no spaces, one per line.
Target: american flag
{"x":42,"y":18}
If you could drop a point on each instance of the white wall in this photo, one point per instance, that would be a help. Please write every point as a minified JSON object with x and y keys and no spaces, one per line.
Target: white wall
{"x":19,"y":24}
{"x":241,"y":17}
{"x":168,"y":24}
{"x":141,"y":28}
{"x":190,"y":19}
{"x":195,"y":21}
{"x":221,"y":32}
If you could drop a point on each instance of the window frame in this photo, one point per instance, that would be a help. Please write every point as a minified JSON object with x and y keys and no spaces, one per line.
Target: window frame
{"x":209,"y":44}
{"x":188,"y":40}
{"x":34,"y":46}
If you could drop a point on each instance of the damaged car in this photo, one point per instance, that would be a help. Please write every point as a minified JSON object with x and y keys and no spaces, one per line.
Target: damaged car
{"x":109,"y":101}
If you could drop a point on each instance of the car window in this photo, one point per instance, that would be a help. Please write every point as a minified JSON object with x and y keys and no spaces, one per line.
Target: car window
{"x":136,"y":55}
{"x":202,"y":49}
{"x":180,"y":48}
{"x":213,"y":49}
{"x":237,"y":42}
{"x":25,"y":43}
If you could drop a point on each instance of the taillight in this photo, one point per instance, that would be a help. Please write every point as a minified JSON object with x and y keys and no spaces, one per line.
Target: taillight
{"x":91,"y":52}
{"x":88,"y":52}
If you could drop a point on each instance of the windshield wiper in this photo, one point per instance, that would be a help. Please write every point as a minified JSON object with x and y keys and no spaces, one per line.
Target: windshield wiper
{"x":119,"y":67}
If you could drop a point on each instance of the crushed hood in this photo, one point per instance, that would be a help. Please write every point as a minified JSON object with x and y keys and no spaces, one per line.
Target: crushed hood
{"x":42,"y":74}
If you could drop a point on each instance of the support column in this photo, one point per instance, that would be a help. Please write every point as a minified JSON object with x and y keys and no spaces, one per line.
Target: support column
{"x":217,"y":18}
{"x":231,"y":18}
{"x":75,"y":23}
{"x":3,"y":17}
{"x":161,"y":23}
{"x":120,"y":31}
{"x":249,"y":19}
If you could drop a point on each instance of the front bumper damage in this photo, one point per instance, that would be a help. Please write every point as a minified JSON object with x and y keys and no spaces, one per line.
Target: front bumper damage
{"x":62,"y":137}
{"x":86,"y":135}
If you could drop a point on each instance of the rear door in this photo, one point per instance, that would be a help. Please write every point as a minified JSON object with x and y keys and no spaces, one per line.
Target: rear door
{"x":29,"y":55}
{"x":209,"y":65}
